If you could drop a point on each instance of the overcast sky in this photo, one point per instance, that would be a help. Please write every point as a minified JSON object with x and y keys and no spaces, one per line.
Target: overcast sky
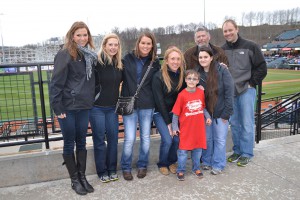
{"x":31,"y":21}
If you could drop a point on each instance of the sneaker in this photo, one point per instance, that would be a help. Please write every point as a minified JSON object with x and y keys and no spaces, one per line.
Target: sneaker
{"x":243,"y":161}
{"x":180,"y":176}
{"x":104,"y":179}
{"x":164,"y":171}
{"x":206,"y":167}
{"x":198,"y":173}
{"x":233,"y":158}
{"x":142,"y":173}
{"x":113,"y":177}
{"x":173,"y":168}
{"x":127,"y":176}
{"x":215,"y":171}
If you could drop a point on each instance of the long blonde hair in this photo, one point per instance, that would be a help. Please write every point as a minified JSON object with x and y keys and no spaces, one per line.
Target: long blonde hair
{"x":164,"y":69}
{"x":103,"y":57}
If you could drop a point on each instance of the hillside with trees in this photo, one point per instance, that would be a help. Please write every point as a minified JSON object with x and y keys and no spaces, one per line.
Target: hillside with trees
{"x":261,"y":27}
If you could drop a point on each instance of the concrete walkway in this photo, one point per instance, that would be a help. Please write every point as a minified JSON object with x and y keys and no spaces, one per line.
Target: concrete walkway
{"x":274,"y":173}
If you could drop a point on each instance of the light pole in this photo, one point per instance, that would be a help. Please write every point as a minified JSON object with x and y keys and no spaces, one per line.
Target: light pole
{"x":204,"y":10}
{"x":2,"y":40}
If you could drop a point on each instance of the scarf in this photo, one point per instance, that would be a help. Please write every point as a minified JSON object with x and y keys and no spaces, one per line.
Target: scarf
{"x":90,"y":59}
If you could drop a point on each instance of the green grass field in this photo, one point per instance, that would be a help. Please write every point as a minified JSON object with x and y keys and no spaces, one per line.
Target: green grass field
{"x":282,"y":88}
{"x":16,"y":98}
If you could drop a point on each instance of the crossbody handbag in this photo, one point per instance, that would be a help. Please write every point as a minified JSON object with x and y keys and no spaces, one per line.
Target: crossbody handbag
{"x":125,"y":105}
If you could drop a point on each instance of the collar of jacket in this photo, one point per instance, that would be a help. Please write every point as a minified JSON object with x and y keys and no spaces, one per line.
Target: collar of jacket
{"x":236,"y":43}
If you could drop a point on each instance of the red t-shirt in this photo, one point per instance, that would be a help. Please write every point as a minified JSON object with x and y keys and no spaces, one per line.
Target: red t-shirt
{"x":190,"y":110}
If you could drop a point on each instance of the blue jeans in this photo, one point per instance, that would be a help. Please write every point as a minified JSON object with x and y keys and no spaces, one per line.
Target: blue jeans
{"x":74,"y":128}
{"x":144,"y":117}
{"x":182,"y":157}
{"x":105,"y":121}
{"x":242,"y":123}
{"x":168,"y":145}
{"x":215,"y":154}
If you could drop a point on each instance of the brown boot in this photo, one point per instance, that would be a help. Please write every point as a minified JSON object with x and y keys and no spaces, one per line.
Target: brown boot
{"x":173,"y":168}
{"x":142,"y":173}
{"x":164,"y":171}
{"x":127,"y":176}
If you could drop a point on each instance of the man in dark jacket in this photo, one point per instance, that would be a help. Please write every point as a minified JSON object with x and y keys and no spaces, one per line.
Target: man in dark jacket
{"x":202,"y":38}
{"x":248,"y":68}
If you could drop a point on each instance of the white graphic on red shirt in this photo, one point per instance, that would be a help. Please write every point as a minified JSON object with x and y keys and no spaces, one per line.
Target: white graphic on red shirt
{"x":194,"y":107}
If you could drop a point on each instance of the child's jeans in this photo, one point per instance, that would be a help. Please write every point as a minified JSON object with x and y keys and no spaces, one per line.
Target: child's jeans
{"x":182,"y":157}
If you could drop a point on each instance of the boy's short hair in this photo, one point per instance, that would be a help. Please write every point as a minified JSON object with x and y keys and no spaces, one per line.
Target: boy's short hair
{"x":192,"y":71}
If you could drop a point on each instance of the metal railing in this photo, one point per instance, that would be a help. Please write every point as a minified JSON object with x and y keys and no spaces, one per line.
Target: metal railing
{"x":280,"y":120}
{"x":26,"y":114}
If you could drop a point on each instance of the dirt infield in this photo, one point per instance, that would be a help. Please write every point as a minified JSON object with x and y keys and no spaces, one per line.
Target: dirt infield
{"x":282,"y":81}
{"x":264,"y":105}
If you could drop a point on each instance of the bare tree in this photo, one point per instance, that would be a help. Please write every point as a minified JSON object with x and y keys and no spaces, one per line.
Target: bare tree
{"x":170,"y":30}
{"x":288,"y":16}
{"x":159,"y":31}
{"x":297,"y":15}
{"x":249,"y":17}
{"x":243,"y":18}
{"x":275,"y":19}
{"x":179,"y":28}
{"x":269,"y":17}
{"x":211,"y":26}
{"x":191,"y":27}
{"x":116,"y":30}
{"x":282,"y":17}
{"x":260,"y":18}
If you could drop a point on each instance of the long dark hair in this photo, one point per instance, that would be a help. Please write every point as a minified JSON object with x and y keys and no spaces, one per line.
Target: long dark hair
{"x":152,"y":53}
{"x":211,"y":91}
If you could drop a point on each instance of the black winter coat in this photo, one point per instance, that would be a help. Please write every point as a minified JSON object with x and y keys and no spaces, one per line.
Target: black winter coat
{"x":145,"y":98}
{"x":69,"y":87}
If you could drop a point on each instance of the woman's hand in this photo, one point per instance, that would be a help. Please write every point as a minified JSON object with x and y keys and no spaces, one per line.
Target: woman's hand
{"x":175,"y":133}
{"x":62,"y":115}
{"x":200,"y":87}
{"x":208,"y":122}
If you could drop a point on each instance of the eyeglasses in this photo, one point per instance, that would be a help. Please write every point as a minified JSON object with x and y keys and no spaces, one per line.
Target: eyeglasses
{"x":191,"y":79}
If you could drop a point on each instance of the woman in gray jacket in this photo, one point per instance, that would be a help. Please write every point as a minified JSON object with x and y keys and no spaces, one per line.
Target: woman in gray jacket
{"x":219,"y":89}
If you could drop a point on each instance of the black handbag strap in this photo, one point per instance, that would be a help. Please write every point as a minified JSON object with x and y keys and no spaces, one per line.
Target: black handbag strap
{"x":143,"y":79}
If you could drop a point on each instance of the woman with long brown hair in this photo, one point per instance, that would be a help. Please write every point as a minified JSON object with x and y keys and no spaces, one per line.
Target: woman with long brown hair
{"x":72,"y":96}
{"x":135,"y":66}
{"x":219,"y":89}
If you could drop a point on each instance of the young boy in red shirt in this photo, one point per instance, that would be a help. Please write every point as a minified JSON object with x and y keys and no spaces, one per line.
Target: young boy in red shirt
{"x":190,"y":110}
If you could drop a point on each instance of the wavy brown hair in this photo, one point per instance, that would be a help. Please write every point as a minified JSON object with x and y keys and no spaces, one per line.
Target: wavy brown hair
{"x":104,"y":57}
{"x":164,"y":69}
{"x":154,"y":47}
{"x":211,"y":91}
{"x":70,"y":45}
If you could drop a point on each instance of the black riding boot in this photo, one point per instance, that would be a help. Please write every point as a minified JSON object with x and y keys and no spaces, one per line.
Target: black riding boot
{"x":81,"y":166}
{"x":69,"y":160}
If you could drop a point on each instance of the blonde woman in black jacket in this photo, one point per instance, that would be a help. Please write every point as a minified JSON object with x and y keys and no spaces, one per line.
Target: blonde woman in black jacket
{"x":104,"y":121}
{"x":168,"y":82}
